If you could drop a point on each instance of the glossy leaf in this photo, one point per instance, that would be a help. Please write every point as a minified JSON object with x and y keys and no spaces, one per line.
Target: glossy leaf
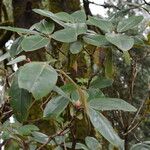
{"x":101,"y":83}
{"x":79,"y":146}
{"x":34,"y":42}
{"x":44,"y":26}
{"x":55,"y":106}
{"x":91,"y":142}
{"x":111,"y":104}
{"x":104,"y":127}
{"x":104,"y":25}
{"x":123,"y":42}
{"x":96,"y":40}
{"x":39,"y":78}
{"x":20,"y":100}
{"x":141,"y":146}
{"x":17,"y":60}
{"x":129,"y":23}
{"x":18,"y":30}
{"x":16,"y":47}
{"x":76,"y":47}
{"x":66,"y":35}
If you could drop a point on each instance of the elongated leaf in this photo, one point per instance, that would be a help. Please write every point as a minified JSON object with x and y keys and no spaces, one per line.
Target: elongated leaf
{"x":96,"y":40}
{"x":38,"y":78}
{"x":49,"y":14}
{"x":129,"y":23}
{"x":101,"y":83}
{"x":27,"y":129}
{"x":44,"y":26}
{"x":104,"y":127}
{"x":76,"y":47}
{"x":104,"y":25}
{"x":111,"y":104}
{"x":4,"y":56}
{"x":140,"y":146}
{"x":16,"y":60}
{"x":91,"y":142}
{"x":20,"y":101}
{"x":55,"y":106}
{"x":34,"y":42}
{"x":16,"y":47}
{"x":123,"y":42}
{"x":66,"y":35}
{"x":19,"y":30}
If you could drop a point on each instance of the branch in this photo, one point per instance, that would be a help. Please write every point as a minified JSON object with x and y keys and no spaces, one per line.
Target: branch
{"x":105,"y":5}
{"x":146,"y":2}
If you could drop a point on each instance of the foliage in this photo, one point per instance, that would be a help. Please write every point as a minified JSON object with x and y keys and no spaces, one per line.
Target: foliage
{"x":60,"y":93}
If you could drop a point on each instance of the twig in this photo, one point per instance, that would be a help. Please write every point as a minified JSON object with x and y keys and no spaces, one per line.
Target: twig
{"x":146,"y":2}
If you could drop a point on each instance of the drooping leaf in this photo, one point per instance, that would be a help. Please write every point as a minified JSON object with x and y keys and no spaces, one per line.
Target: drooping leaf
{"x":19,"y":30}
{"x":104,"y":25}
{"x":44,"y":26}
{"x":91,"y":142}
{"x":55,"y":106}
{"x":108,"y":63}
{"x":127,"y":57}
{"x":16,"y":47}
{"x":129,"y":23}
{"x":66,"y":35}
{"x":101,"y":83}
{"x":111,"y":104}
{"x":123,"y":42}
{"x":27,"y":129}
{"x":20,"y":101}
{"x":76,"y":47}
{"x":4,"y":56}
{"x":17,"y":60}
{"x":39,"y":78}
{"x":34,"y":42}
{"x":104,"y":127}
{"x":96,"y":40}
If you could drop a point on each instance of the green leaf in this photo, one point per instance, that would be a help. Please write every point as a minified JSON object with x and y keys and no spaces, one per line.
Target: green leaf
{"x":20,"y":100}
{"x":49,"y":14}
{"x":101,"y":83}
{"x":27,"y":129}
{"x":17,"y":60}
{"x":127,"y":57}
{"x":111,"y":104}
{"x":34,"y":42}
{"x":4,"y":56}
{"x":104,"y":25}
{"x":129,"y":23}
{"x":55,"y":106}
{"x":16,"y":47}
{"x":79,"y":146}
{"x":91,"y":142}
{"x":123,"y":42}
{"x":44,"y":26}
{"x":76,"y":47}
{"x":104,"y":127}
{"x":96,"y":40}
{"x":19,"y":30}
{"x":39,"y":78}
{"x":63,"y":16}
{"x":79,"y":16}
{"x":66,"y":35}
{"x":140,"y":146}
